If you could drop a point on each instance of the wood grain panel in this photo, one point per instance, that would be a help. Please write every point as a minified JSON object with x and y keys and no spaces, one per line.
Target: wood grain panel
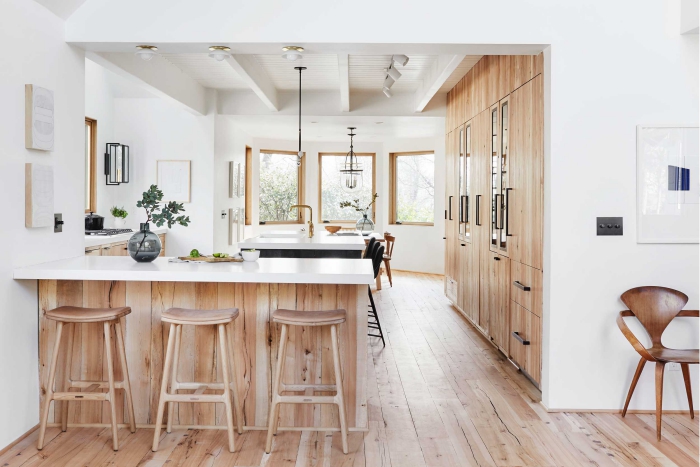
{"x":529,"y":277}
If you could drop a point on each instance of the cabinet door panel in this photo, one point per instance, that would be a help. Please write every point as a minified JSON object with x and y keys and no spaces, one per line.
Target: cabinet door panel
{"x":529,"y":327}
{"x":93,"y":251}
{"x":526,"y":277}
{"x":498,"y":314}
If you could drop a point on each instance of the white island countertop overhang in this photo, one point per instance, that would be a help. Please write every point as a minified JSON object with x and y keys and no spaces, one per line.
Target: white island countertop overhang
{"x":264,"y":270}
{"x":298,"y":240}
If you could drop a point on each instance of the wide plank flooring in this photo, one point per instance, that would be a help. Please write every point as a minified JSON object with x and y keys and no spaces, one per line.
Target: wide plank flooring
{"x":439,"y":395}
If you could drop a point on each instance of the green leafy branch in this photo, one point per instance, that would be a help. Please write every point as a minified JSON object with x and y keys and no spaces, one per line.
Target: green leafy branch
{"x":168,"y":212}
{"x":355,"y":204}
{"x":118,"y":212}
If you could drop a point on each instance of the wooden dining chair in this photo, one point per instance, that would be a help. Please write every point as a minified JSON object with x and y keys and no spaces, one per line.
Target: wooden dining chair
{"x":655,"y":308}
{"x":390,"y":239}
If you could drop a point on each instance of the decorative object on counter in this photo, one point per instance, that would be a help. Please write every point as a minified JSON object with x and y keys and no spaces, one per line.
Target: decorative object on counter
{"x":119,"y":215}
{"x":333,"y":229}
{"x":364,"y":224}
{"x":116,"y":163}
{"x":144,"y":245}
{"x":94,"y":222}
{"x":38,"y":118}
{"x":351,"y":169}
{"x":174,"y":180}
{"x":250,"y":255}
{"x":38,"y":195}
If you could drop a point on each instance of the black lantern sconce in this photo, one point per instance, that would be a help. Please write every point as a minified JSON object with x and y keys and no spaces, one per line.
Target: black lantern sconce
{"x":116,"y":164}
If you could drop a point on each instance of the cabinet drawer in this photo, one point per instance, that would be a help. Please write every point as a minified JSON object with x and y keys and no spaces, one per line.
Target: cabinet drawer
{"x":451,"y":289}
{"x":523,"y":277}
{"x":526,"y":340}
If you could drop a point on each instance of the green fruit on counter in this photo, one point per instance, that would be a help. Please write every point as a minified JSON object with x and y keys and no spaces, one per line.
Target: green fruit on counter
{"x":194,"y":253}
{"x":217,"y":255}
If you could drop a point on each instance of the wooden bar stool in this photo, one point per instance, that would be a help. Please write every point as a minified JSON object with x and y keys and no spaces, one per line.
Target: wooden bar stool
{"x":307,"y":318}
{"x":177,"y":317}
{"x":72,"y":315}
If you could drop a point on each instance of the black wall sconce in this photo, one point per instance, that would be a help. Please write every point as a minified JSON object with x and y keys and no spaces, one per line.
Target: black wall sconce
{"x":116,"y":163}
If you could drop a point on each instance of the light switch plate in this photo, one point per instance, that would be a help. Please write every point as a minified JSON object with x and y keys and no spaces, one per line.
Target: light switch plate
{"x":609,"y":225}
{"x":58,"y":222}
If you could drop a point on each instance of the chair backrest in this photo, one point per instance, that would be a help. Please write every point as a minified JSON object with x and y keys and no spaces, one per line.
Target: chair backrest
{"x":377,"y":258}
{"x":370,"y":247}
{"x":390,"y":239}
{"x":655,"y":308}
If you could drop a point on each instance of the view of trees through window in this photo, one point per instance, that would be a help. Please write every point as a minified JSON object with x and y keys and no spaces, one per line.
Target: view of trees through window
{"x":415,"y":188}
{"x":332,"y":193}
{"x":279,"y":187}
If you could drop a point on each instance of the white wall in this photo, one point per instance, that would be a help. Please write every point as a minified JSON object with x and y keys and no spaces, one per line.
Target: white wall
{"x":33,"y":51}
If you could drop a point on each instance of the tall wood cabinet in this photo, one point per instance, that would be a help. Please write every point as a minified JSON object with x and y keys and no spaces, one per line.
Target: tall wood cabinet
{"x":494,"y":189}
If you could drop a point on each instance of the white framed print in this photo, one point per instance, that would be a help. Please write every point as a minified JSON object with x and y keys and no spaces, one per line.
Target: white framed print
{"x":173,"y":178}
{"x":38,"y":195}
{"x":38,"y":118}
{"x":668,"y":189}
{"x":241,"y":180}
{"x":232,"y":180}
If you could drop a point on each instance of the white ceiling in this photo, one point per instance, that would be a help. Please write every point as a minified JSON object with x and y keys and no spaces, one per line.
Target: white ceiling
{"x":207,"y":71}
{"x":461,"y":70}
{"x":367,"y":71}
{"x":321,"y":72}
{"x":62,"y":8}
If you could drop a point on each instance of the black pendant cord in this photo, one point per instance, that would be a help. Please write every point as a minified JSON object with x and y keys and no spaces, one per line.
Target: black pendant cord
{"x":300,"y":68}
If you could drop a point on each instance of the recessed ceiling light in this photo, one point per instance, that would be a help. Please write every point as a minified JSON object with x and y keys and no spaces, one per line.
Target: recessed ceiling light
{"x":146,"y":52}
{"x":292,"y":52}
{"x":219,"y":52}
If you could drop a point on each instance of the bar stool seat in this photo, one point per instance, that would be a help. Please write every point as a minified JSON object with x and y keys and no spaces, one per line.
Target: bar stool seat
{"x":76,"y":314}
{"x":309,"y":318}
{"x":199,"y":317}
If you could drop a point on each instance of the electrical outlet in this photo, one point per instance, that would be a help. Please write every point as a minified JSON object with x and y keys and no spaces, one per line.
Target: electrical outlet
{"x":673,"y":366}
{"x":608,"y":225}
{"x":223,"y":214}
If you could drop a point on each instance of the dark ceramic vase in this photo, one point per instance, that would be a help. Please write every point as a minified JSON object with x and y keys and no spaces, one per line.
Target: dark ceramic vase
{"x":144,"y":246}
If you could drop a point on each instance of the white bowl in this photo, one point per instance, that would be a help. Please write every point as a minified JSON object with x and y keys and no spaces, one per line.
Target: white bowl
{"x":250,"y":255}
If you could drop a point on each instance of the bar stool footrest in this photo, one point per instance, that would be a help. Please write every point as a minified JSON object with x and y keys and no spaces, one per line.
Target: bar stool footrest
{"x":80,"y":396}
{"x":194,"y":398}
{"x":97,"y":384}
{"x":307,"y":400}
{"x":304,"y":387}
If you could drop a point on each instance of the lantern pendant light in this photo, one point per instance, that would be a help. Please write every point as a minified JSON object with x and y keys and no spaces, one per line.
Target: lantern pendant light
{"x":351,"y":170}
{"x":299,"y":154}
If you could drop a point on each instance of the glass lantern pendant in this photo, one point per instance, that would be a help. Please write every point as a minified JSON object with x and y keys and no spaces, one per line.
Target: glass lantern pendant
{"x":351,"y":170}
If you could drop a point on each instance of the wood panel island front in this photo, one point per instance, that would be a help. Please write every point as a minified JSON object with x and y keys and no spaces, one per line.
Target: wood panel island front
{"x":256,"y":288}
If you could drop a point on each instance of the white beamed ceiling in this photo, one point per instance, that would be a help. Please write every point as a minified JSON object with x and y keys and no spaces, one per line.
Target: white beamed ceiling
{"x":207,"y":71}
{"x":321,"y":73}
{"x":461,"y":70}
{"x":367,"y":72}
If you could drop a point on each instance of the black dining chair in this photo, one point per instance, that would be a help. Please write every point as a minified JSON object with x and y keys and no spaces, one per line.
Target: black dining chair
{"x":369,"y":249}
{"x":377,"y":256}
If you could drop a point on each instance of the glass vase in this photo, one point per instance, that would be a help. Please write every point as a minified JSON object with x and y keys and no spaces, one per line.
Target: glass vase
{"x":144,"y":246}
{"x":365,"y":224}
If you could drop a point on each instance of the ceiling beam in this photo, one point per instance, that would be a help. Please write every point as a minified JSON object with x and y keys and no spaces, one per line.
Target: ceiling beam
{"x":255,"y":77}
{"x":435,"y":77}
{"x":344,"y":78}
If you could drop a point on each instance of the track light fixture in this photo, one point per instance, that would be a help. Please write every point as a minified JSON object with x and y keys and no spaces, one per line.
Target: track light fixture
{"x":388,"y":82}
{"x":400,"y":59}
{"x":387,"y":92}
{"x":219,"y":52}
{"x":393,"y":73}
{"x":292,"y":52}
{"x":146,"y":52}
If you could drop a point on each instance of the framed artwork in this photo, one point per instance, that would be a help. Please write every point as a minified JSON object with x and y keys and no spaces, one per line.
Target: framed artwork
{"x":38,"y":195}
{"x":668,"y":188}
{"x":241,"y":180}
{"x":38,"y":118}
{"x":173,"y":178}
{"x":232,"y":180}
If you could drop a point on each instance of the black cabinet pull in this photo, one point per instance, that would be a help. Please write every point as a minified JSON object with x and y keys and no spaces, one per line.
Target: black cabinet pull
{"x":462,"y":244}
{"x":496,"y":258}
{"x":444,"y":238}
{"x":466,"y":209}
{"x":521,"y":286}
{"x":520,"y":339}
{"x":508,"y":234}
{"x":478,"y":199}
{"x":461,"y":218}
{"x":449,"y":208}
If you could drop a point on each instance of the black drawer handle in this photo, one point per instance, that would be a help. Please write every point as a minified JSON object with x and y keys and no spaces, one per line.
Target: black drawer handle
{"x":462,"y":244}
{"x":520,"y":339}
{"x":521,"y":286}
{"x":478,"y":203}
{"x":449,"y":209}
{"x":496,"y":258}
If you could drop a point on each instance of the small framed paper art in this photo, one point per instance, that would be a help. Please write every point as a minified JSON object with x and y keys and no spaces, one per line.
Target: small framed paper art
{"x":173,"y":177}
{"x":668,"y":189}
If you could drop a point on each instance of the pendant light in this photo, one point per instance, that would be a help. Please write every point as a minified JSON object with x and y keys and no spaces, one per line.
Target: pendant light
{"x":299,"y":154}
{"x":351,"y":170}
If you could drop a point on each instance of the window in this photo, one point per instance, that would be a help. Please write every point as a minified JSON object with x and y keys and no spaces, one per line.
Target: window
{"x":412,"y":188}
{"x":331,"y":193}
{"x":90,"y":165}
{"x":281,"y":186}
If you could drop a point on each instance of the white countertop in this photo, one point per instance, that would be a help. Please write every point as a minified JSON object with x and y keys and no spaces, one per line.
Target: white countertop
{"x":95,"y":240}
{"x":264,"y":270}
{"x":321,"y":240}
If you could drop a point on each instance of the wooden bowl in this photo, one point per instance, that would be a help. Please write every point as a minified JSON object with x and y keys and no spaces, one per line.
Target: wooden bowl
{"x":333,"y":228}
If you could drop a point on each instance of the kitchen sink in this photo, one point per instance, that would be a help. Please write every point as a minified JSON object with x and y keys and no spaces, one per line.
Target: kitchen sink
{"x":282,"y":234}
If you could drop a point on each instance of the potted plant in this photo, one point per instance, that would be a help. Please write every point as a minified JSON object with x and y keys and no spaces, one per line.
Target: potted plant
{"x":144,"y":245}
{"x":119,"y":215}
{"x":364,"y":224}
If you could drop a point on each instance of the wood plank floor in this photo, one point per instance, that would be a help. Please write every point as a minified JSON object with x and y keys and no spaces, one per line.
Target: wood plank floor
{"x":439,"y":395}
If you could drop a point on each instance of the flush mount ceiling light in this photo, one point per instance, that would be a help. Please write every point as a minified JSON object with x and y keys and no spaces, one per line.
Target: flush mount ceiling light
{"x":299,"y":154}
{"x":146,"y":52}
{"x":219,"y":52}
{"x":399,"y":59}
{"x":351,"y":169}
{"x":292,"y":52}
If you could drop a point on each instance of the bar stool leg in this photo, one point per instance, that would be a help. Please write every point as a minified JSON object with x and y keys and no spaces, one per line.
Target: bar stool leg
{"x":339,"y":387}
{"x":49,"y":387}
{"x":235,"y":379}
{"x":110,"y":377}
{"x":69,"y":356}
{"x":274,"y":407}
{"x":164,"y":386}
{"x":125,"y":372}
{"x":279,"y":392}
{"x":223,"y":345}
{"x":173,"y":381}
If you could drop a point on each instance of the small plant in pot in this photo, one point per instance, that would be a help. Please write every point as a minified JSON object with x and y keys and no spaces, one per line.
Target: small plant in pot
{"x":364,"y":224}
{"x":144,"y":245}
{"x":119,"y":215}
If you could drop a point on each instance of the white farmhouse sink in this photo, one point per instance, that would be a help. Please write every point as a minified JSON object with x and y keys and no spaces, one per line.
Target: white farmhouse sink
{"x":284,"y":234}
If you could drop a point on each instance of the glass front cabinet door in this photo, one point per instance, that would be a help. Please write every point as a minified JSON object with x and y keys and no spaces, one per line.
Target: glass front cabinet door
{"x":500,"y":189}
{"x":465,"y":173}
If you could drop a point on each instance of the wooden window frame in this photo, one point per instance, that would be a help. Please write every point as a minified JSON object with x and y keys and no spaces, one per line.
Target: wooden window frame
{"x":248,"y":192}
{"x":392,"y":187}
{"x":320,"y":184}
{"x":92,"y":177}
{"x":301,"y":213}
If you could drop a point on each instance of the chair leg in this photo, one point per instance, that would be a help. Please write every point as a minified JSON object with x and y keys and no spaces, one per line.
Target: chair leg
{"x":234,"y":382}
{"x":339,"y":388}
{"x":49,"y":387}
{"x":659,"y":396}
{"x":173,"y":380}
{"x":274,"y":407}
{"x":164,"y":386}
{"x":376,"y":316}
{"x":69,"y":355}
{"x":110,"y":377}
{"x":688,"y":389}
{"x":637,"y":374}
{"x":223,"y":345}
{"x":388,"y":271}
{"x":125,"y":372}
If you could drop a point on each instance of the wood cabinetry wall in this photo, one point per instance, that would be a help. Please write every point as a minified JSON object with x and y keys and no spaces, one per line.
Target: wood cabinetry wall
{"x":493,"y":275}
